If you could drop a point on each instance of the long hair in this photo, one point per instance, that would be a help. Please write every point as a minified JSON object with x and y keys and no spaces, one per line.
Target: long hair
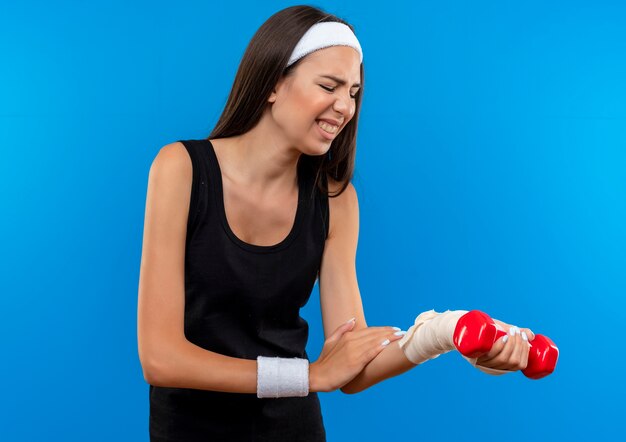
{"x":262,"y":66}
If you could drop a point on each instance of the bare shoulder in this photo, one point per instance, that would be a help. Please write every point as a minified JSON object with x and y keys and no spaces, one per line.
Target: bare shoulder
{"x":169,"y":186}
{"x":169,"y":190}
{"x":342,"y":208}
{"x":172,"y":158}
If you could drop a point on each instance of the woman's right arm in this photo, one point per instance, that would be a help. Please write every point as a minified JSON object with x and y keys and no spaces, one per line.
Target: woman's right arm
{"x":167,"y":358}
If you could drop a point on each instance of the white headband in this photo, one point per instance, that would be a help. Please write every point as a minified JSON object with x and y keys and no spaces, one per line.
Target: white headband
{"x":322,"y":35}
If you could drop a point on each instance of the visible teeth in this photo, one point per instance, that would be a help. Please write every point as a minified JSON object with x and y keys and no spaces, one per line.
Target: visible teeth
{"x":327,"y":127}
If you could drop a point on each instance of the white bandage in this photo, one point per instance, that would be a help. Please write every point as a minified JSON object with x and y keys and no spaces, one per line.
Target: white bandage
{"x":432,"y":335}
{"x":282,"y":377}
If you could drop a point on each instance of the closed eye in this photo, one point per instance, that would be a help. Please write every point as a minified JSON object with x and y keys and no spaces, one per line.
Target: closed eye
{"x":332,"y":89}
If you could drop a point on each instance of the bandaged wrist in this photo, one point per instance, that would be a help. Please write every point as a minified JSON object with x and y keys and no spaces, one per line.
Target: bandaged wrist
{"x":431,"y":335}
{"x":282,"y":377}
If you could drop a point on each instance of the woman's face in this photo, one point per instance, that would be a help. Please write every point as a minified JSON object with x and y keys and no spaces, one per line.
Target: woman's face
{"x":308,"y":95}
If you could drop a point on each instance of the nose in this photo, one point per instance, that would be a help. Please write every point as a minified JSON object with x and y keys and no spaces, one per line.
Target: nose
{"x":345,"y":106}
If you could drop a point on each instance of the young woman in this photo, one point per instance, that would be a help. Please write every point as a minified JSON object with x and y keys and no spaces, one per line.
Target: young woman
{"x":238,"y":227}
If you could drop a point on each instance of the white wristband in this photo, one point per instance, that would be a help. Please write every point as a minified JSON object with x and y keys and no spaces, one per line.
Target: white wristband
{"x":282,"y":377}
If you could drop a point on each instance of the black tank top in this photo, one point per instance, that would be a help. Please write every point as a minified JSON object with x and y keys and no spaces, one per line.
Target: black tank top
{"x":243,"y":300}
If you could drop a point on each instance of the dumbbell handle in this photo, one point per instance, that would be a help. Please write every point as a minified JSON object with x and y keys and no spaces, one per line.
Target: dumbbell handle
{"x":475,"y":333}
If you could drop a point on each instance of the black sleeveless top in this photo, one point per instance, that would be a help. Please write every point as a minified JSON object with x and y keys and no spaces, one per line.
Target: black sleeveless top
{"x":243,"y":300}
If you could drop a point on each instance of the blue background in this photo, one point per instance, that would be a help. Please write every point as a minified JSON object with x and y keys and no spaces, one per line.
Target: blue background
{"x":491,"y":174}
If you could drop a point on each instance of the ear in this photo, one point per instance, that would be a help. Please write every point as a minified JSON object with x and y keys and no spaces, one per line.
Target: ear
{"x":274,"y":95}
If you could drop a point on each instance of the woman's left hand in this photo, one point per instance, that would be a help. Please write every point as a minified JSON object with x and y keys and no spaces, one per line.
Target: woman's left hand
{"x":510,"y":352}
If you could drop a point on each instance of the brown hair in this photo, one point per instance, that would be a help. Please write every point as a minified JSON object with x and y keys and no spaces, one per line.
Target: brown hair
{"x":261,"y":67}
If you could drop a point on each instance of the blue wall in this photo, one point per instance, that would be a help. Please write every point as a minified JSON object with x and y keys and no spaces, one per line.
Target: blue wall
{"x":491,"y":174}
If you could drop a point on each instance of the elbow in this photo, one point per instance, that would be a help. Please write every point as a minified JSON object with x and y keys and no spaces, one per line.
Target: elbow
{"x":347,"y":389}
{"x":156,"y":363}
{"x":154,"y":372}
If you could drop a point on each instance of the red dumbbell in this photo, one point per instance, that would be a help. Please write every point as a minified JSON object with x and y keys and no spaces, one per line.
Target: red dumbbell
{"x":475,"y":334}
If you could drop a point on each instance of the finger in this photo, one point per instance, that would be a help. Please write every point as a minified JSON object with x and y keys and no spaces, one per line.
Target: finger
{"x":390,"y":335}
{"x":380,"y":340}
{"x":516,"y":354}
{"x":529,"y":333}
{"x":525,"y":348}
{"x":519,"y":355}
{"x":366,"y":334}
{"x":341,"y":330}
{"x":370,"y":353}
{"x":496,"y":349}
{"x":375,"y":344}
{"x":501,"y":359}
{"x":365,"y":354}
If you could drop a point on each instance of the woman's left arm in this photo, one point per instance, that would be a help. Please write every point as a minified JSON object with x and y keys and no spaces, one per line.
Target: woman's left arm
{"x":340,"y":298}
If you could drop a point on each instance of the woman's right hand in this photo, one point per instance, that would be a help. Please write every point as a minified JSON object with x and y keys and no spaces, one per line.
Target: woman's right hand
{"x":346,"y":353}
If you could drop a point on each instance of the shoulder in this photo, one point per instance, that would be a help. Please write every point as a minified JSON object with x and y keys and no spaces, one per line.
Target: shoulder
{"x":343,"y":208}
{"x":170,"y":177}
{"x":173,"y":155}
{"x":172,"y":162}
{"x":347,"y":196}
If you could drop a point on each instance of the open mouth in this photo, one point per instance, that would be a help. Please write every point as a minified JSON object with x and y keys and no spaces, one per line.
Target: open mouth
{"x":327,"y":130}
